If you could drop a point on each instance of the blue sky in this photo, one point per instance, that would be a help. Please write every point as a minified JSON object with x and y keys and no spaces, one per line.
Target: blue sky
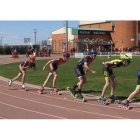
{"x":14,"y":32}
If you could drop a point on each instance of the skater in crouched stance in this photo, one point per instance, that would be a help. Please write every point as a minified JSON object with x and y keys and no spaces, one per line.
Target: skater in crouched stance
{"x":23,"y":66}
{"x":81,"y":74}
{"x":53,"y":64}
{"x":125,"y":104}
{"x":108,"y":74}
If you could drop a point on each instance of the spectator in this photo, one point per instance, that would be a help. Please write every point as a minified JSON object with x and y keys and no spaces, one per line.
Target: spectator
{"x":36,"y":52}
{"x":28,"y":52}
{"x":64,"y":50}
{"x":73,"y":49}
{"x":15,"y":51}
{"x":49,"y":50}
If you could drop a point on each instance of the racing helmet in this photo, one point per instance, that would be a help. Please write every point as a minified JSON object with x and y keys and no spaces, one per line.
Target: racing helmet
{"x":92,"y":52}
{"x":66,"y":54}
{"x":32,"y":57}
{"x":127,"y":59}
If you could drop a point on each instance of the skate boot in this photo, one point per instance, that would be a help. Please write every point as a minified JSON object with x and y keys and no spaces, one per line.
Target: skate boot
{"x":125,"y":105}
{"x":10,"y":83}
{"x":40,"y":91}
{"x":23,"y":87}
{"x":112,"y":99}
{"x":102,"y":100}
{"x":54,"y":91}
{"x":71,"y":90}
{"x":79,"y":97}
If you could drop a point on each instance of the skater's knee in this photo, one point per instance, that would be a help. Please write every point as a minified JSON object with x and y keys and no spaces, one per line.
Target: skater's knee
{"x":107,"y":84}
{"x":137,"y":90}
{"x":55,"y":75}
{"x":24,"y":74}
{"x":115,"y":82}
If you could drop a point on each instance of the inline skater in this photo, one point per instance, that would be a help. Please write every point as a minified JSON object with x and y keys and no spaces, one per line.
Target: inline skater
{"x":109,"y":74}
{"x":81,"y":74}
{"x":23,"y":66}
{"x":53,"y":65}
{"x":125,"y":104}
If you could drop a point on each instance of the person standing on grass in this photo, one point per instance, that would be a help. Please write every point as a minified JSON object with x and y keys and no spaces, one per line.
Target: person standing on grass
{"x":53,"y":64}
{"x":109,"y":74}
{"x":81,"y":74}
{"x":23,"y":66}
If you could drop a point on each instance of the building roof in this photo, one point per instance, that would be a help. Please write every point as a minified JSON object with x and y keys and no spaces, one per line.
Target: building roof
{"x":76,"y":29}
{"x":96,"y":22}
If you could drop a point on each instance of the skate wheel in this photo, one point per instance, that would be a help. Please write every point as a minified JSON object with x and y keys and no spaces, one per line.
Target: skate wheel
{"x":68,"y":88}
{"x":51,"y":92}
{"x":98,"y":102}
{"x":120,"y":106}
{"x":128,"y":108}
{"x":104,"y":103}
{"x":123,"y":106}
{"x":57,"y":93}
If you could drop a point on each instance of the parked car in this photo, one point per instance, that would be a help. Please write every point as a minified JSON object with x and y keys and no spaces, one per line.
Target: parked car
{"x":134,"y":49}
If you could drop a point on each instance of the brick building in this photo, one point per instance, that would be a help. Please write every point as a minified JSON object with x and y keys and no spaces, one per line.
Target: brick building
{"x":123,"y":34}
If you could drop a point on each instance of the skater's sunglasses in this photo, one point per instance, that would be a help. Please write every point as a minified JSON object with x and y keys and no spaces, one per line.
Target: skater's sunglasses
{"x":33,"y":60}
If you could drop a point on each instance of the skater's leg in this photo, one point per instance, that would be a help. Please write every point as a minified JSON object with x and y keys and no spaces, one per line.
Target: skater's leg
{"x":113,"y":85}
{"x":55,"y":79}
{"x":23,"y":77}
{"x":133,"y":94}
{"x":105,"y":86}
{"x":17,"y":77}
{"x":47,"y":80}
{"x":81,"y":82}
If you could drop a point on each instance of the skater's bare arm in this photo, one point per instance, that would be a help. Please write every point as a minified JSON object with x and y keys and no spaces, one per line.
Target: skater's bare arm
{"x":88,"y":69}
{"x":44,"y":68}
{"x":107,"y":63}
{"x":22,"y":68}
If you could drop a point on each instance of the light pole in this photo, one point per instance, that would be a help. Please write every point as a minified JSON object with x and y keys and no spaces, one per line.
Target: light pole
{"x":66,"y":35}
{"x":35,"y":36}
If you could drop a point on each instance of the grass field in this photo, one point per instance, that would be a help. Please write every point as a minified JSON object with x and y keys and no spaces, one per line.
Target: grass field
{"x":126,"y":76}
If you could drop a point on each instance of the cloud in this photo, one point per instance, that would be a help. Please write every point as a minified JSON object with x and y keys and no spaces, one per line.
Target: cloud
{"x":1,"y":33}
{"x":15,"y":37}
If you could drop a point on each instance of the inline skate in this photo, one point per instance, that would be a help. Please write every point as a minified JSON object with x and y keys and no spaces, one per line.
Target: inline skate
{"x":102,"y":100}
{"x":112,"y":99}
{"x":125,"y":105}
{"x":71,"y":90}
{"x":79,"y":97}
{"x":54,"y":91}
{"x":40,"y":91}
